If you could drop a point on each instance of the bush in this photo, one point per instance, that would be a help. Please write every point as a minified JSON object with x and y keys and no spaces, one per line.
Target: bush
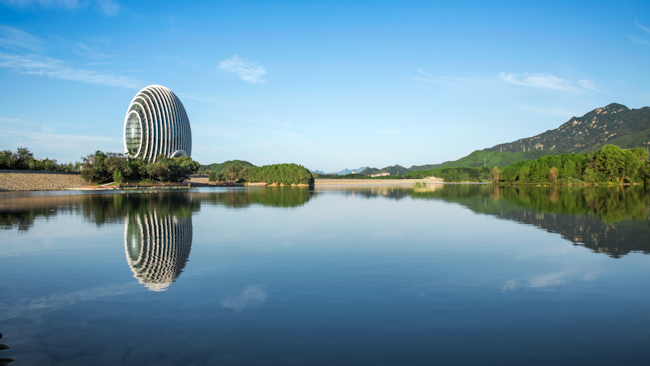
{"x":94,"y":170}
{"x":117,"y":177}
{"x":172,"y":169}
{"x":285,"y":174}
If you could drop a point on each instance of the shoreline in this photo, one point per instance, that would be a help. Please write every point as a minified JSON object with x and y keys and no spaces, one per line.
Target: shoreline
{"x":361,"y":182}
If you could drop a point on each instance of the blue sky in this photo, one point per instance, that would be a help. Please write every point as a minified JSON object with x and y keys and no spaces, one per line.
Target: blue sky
{"x":329,"y":85}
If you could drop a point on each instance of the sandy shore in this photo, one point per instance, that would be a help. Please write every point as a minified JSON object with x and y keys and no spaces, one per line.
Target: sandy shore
{"x":39,"y":181}
{"x":366,"y":182}
{"x":48,"y":181}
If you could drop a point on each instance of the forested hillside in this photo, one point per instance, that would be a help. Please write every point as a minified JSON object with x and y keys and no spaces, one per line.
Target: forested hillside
{"x":610,"y":165}
{"x":614,"y":124}
{"x":218,"y":167}
{"x":590,"y":132}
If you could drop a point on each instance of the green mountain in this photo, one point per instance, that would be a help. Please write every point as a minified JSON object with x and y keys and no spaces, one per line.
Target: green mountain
{"x":590,"y":132}
{"x":218,"y":167}
{"x":615,"y":124}
{"x":393,"y":170}
{"x":487,"y":158}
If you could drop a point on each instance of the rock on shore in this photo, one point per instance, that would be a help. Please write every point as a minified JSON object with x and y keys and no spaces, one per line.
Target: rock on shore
{"x":39,"y":181}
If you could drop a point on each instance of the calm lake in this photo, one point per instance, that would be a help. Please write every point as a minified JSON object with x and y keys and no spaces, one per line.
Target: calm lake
{"x":453,"y":274}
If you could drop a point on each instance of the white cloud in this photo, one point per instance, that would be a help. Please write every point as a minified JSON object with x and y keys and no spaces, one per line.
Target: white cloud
{"x":510,"y":285}
{"x":451,"y":81}
{"x":636,"y":23}
{"x":47,"y":304}
{"x":44,"y":66}
{"x":85,"y":51}
{"x":587,"y":84}
{"x":543,"y":81}
{"x":547,"y":280}
{"x":13,"y":38}
{"x":196,"y":97}
{"x":252,"y":295}
{"x":108,"y":7}
{"x":246,"y":70}
{"x":65,"y":4}
{"x":641,"y":41}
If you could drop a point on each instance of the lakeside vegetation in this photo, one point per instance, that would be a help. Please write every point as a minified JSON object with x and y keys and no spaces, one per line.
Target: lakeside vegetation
{"x":103,"y":167}
{"x":23,"y":159}
{"x":219,"y":167}
{"x":106,"y":167}
{"x":280,"y":174}
{"x":609,"y":165}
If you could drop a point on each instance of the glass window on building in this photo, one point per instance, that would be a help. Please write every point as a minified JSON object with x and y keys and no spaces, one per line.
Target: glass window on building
{"x":133,"y":134}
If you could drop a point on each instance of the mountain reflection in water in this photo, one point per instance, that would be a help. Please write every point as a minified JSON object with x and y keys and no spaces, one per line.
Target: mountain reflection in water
{"x":611,"y":220}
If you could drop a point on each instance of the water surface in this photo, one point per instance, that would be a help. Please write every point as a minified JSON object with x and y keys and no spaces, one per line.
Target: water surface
{"x":453,"y":274}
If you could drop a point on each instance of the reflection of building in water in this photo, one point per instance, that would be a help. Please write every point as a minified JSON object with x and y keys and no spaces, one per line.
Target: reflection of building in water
{"x":157,"y":248}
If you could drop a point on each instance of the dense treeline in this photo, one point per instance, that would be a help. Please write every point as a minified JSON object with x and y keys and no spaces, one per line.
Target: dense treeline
{"x":23,"y":159}
{"x":235,"y":173}
{"x":285,"y":174}
{"x":281,"y":173}
{"x":218,"y":167}
{"x":609,"y":165}
{"x":103,"y":167}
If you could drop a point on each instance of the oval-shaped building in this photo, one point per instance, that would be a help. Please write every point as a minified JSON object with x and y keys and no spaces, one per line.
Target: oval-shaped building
{"x":156,"y":123}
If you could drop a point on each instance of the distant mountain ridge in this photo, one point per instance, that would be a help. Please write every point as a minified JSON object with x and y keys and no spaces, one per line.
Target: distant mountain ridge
{"x":614,"y":124}
{"x":393,"y":170}
{"x":348,"y":171}
{"x":596,"y":128}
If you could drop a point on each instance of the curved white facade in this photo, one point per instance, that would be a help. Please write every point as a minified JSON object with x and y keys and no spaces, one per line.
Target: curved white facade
{"x":157,"y":248}
{"x":156,"y":123}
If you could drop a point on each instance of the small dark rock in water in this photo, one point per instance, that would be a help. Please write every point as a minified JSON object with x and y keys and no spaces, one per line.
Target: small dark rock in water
{"x":4,"y":360}
{"x":4,"y":346}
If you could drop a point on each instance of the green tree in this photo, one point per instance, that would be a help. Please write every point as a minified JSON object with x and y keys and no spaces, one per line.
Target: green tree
{"x":117,"y":176}
{"x":610,"y":161}
{"x":93,"y":169}
{"x":172,"y":169}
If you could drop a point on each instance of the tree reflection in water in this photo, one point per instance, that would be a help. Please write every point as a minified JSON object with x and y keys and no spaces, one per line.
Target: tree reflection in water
{"x":611,"y":220}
